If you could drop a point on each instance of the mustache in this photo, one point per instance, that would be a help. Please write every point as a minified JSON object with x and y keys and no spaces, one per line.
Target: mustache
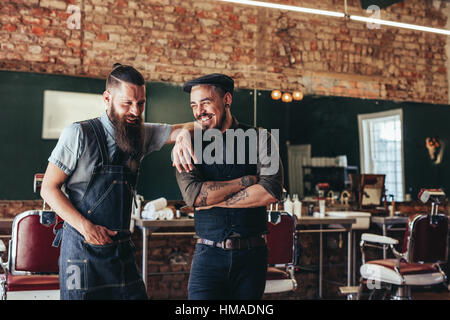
{"x":204,"y":114}
{"x":135,"y":120}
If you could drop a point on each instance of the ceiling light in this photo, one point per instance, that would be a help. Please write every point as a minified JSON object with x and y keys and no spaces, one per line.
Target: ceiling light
{"x":297,"y":95}
{"x":399,"y":25}
{"x":276,"y":94}
{"x":339,"y":15}
{"x":287,"y":97}
{"x":287,"y":7}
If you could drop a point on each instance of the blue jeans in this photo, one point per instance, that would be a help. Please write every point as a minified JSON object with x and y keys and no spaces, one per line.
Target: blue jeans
{"x":218,"y":274}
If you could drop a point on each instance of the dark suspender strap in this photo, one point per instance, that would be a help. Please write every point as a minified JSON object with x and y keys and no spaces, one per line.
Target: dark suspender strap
{"x":119,"y":157}
{"x":101,"y":139}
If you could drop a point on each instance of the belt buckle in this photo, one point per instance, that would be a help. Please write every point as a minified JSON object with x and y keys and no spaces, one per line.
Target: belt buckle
{"x":224,"y":245}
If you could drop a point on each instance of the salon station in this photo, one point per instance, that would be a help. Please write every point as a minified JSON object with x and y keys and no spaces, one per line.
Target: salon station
{"x":355,"y":92}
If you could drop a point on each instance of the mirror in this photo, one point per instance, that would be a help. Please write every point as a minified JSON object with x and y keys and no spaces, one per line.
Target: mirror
{"x":368,"y":189}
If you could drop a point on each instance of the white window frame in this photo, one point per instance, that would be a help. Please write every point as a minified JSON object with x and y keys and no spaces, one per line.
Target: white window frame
{"x":364,"y":148}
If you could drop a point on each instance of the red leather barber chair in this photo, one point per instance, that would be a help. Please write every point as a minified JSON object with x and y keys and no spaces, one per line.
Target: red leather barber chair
{"x":425,"y":248}
{"x":31,"y":272}
{"x":281,"y":244}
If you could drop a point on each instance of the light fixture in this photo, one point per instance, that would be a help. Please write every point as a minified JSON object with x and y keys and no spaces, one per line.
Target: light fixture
{"x":297,"y":95}
{"x":400,"y":25}
{"x":287,"y":97}
{"x":339,"y":15}
{"x":287,"y":7}
{"x":276,"y":94}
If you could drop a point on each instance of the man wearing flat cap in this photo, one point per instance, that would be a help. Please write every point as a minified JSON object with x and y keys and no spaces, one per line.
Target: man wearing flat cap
{"x":229,"y":198}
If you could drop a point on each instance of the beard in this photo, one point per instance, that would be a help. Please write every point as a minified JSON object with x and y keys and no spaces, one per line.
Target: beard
{"x":219,"y":125}
{"x":129,"y":138}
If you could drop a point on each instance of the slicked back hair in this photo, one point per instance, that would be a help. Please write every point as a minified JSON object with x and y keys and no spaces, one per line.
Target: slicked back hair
{"x":123,"y":73}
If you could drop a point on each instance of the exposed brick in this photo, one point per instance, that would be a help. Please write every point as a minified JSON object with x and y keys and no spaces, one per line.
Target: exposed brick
{"x":34,"y":49}
{"x":102,"y":37}
{"x":53,"y":42}
{"x":9,"y":27}
{"x":181,"y":35}
{"x":73,"y":43}
{"x":53,"y":4}
{"x":38,"y":30}
{"x":104,"y":45}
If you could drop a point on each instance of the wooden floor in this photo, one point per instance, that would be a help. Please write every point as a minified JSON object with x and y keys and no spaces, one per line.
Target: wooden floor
{"x":418,"y":293}
{"x":431,"y":295}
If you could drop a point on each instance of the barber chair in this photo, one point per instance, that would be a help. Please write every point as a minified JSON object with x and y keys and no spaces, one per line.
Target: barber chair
{"x":281,"y":244}
{"x":425,"y":247}
{"x":31,"y":272}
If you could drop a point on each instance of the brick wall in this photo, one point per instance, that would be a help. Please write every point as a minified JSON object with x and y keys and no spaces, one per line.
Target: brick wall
{"x":175,"y":40}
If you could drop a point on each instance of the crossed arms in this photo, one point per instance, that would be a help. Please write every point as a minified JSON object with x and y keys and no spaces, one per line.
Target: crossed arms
{"x":245,"y":192}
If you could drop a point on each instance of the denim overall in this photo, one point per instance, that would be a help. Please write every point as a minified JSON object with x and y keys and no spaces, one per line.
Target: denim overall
{"x":218,"y":274}
{"x":107,"y":271}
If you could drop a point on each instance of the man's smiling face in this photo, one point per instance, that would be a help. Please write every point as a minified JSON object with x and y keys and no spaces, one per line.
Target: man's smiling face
{"x":208,"y":107}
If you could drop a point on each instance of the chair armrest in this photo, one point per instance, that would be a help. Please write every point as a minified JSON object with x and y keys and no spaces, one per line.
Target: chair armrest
{"x":399,"y":256}
{"x":3,"y":265}
{"x":2,"y":247}
{"x":370,"y":237}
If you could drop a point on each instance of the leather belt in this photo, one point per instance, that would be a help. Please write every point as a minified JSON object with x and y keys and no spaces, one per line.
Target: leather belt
{"x":236,"y":243}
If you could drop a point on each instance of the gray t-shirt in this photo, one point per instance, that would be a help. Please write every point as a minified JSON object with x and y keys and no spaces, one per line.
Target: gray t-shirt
{"x":70,"y":144}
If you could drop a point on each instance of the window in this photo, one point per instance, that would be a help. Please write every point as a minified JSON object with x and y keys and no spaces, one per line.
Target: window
{"x":381,"y":148}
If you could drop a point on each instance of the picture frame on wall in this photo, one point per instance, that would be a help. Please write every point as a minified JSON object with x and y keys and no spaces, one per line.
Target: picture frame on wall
{"x":61,"y":108}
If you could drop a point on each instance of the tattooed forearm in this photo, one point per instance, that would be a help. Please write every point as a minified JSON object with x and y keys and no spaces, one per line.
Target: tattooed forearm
{"x":213,"y":192}
{"x":239,"y":196}
{"x":247,"y":181}
{"x":215,"y":186}
{"x":203,"y":195}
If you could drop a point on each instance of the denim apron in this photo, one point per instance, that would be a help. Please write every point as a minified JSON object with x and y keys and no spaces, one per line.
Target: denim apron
{"x":107,"y":271}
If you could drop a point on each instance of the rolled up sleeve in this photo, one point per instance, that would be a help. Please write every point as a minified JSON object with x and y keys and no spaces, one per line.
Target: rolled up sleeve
{"x":156,"y":135}
{"x":190,"y":184}
{"x":270,"y":167}
{"x":68,"y":149}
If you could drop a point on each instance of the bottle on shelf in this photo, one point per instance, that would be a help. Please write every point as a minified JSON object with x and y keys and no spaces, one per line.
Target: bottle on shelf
{"x":321,"y":199}
{"x":297,"y":206}
{"x":288,"y":205}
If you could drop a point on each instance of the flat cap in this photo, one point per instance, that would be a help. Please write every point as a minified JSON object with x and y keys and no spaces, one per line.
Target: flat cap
{"x":215,"y":79}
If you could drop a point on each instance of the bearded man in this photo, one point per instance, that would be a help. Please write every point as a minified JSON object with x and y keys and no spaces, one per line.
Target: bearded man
{"x":98,"y":162}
